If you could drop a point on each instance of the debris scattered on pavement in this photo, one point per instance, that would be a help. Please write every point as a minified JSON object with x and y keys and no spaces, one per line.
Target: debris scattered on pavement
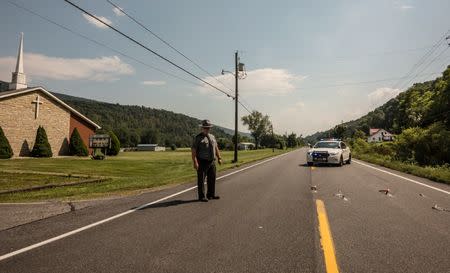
{"x":314,"y":188}
{"x":422,"y":195}
{"x":385,"y":191}
{"x":341,"y":195}
{"x":436,"y":207}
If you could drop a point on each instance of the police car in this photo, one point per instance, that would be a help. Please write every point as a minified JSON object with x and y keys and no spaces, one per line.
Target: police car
{"x":329,"y":152}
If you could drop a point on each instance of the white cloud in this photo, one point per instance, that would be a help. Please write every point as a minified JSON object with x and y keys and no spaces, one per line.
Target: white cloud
{"x":260,"y":82}
{"x":300,"y":104}
{"x":404,"y":7}
{"x":118,"y":12}
{"x":382,"y":95}
{"x":56,"y":68}
{"x":96,"y":22}
{"x":153,"y":82}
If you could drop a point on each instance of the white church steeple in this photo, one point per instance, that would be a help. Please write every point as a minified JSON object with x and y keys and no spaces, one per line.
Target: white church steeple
{"x":19,"y":79}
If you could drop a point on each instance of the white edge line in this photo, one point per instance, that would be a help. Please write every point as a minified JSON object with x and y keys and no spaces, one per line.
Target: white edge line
{"x":399,"y":176}
{"x":78,"y":230}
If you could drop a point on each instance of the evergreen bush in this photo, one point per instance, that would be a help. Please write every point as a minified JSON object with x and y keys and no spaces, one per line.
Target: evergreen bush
{"x":41,"y":146}
{"x":76,"y":145}
{"x":5,"y":148}
{"x":115,"y":144}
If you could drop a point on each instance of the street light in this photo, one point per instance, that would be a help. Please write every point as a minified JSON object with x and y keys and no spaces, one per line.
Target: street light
{"x":239,"y":67}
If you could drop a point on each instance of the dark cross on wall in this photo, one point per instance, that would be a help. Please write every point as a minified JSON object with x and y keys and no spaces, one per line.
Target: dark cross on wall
{"x":38,"y":102}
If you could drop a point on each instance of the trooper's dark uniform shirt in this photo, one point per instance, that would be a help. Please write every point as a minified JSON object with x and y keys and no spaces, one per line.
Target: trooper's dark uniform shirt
{"x":205,"y":147}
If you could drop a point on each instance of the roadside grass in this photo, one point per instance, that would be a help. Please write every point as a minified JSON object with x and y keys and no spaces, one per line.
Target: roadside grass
{"x":130,"y":172}
{"x":438,"y":173}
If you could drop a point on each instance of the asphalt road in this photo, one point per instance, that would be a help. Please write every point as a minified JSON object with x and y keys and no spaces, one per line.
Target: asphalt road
{"x":265,"y":221}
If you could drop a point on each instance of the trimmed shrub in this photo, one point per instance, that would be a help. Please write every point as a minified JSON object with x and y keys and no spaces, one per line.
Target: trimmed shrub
{"x":115,"y":144}
{"x":5,"y":148}
{"x":173,"y":147}
{"x":76,"y":145}
{"x":41,"y":146}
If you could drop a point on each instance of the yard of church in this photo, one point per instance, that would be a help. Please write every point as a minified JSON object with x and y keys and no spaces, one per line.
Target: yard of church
{"x":128,"y":173}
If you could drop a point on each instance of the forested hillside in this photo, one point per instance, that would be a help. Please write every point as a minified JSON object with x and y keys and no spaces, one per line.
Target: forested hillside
{"x":139,"y":124}
{"x":420,"y":106}
{"x":420,"y":117}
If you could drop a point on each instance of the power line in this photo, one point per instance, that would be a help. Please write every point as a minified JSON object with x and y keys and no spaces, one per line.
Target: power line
{"x":110,"y":48}
{"x":367,"y":82}
{"x":165,"y":42}
{"x":101,"y":44}
{"x":147,"y":48}
{"x":426,"y":66}
{"x":424,"y":57}
{"x":173,"y":48}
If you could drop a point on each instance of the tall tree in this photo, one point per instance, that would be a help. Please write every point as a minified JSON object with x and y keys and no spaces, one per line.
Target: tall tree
{"x":258,"y":125}
{"x":291,"y":140}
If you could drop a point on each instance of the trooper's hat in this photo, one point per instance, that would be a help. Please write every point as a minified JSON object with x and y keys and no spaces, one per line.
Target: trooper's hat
{"x":206,"y":124}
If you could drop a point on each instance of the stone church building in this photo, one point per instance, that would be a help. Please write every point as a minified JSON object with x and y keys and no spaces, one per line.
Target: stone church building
{"x":23,"y":109}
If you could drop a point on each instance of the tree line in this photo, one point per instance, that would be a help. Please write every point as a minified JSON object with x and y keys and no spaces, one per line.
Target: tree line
{"x":139,"y":124}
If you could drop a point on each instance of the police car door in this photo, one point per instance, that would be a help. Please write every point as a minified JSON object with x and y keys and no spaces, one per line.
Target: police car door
{"x":345,"y":151}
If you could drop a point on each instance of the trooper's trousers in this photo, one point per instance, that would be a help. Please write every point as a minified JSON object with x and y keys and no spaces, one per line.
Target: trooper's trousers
{"x":206,"y":168}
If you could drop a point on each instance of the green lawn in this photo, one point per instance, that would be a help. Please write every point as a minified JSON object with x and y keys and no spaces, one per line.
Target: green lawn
{"x":130,"y":171}
{"x":12,"y":181}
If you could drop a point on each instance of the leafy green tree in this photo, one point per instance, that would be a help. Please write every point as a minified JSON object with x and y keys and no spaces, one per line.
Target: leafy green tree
{"x":291,"y":140}
{"x":338,"y":131}
{"x":41,"y":146}
{"x":76,"y":145}
{"x":115,"y":144}
{"x":358,"y":134}
{"x":5,"y":149}
{"x":258,"y":124}
{"x":224,"y":143}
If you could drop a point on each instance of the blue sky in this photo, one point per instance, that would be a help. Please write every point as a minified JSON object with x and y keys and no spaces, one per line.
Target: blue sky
{"x":297,"y":53}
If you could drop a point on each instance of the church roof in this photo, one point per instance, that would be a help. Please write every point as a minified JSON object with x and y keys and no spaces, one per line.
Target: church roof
{"x":11,"y":93}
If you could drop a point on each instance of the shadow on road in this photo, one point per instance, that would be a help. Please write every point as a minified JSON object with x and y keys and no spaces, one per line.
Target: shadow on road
{"x":318,"y":165}
{"x":169,"y":204}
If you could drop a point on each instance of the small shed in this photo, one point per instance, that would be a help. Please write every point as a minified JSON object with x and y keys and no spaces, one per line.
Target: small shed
{"x":246,"y":146}
{"x":150,"y":147}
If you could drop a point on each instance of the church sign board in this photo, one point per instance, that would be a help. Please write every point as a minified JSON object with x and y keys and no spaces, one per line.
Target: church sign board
{"x":100,"y":141}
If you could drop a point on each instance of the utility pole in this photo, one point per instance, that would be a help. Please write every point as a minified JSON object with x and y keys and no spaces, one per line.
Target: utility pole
{"x":238,"y":67}
{"x":273,"y":139}
{"x":236,"y":76}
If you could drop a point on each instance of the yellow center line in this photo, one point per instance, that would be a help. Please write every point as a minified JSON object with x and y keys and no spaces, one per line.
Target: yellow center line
{"x":326,"y":239}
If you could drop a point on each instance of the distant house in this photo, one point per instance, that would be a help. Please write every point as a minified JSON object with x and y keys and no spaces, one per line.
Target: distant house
{"x":246,"y":146}
{"x":379,"y":135}
{"x":150,"y":147}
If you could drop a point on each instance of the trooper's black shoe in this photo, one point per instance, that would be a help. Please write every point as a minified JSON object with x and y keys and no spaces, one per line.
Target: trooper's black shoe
{"x":204,"y":199}
{"x":214,"y":197}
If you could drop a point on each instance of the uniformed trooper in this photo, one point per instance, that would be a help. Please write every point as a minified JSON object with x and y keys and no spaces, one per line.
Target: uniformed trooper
{"x":204,"y":154}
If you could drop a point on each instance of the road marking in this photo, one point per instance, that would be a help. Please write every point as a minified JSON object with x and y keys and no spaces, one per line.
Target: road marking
{"x":402,"y":177}
{"x":67,"y":234}
{"x":326,"y":240}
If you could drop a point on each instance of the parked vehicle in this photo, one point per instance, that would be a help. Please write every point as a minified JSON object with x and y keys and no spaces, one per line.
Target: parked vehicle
{"x":329,"y":152}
